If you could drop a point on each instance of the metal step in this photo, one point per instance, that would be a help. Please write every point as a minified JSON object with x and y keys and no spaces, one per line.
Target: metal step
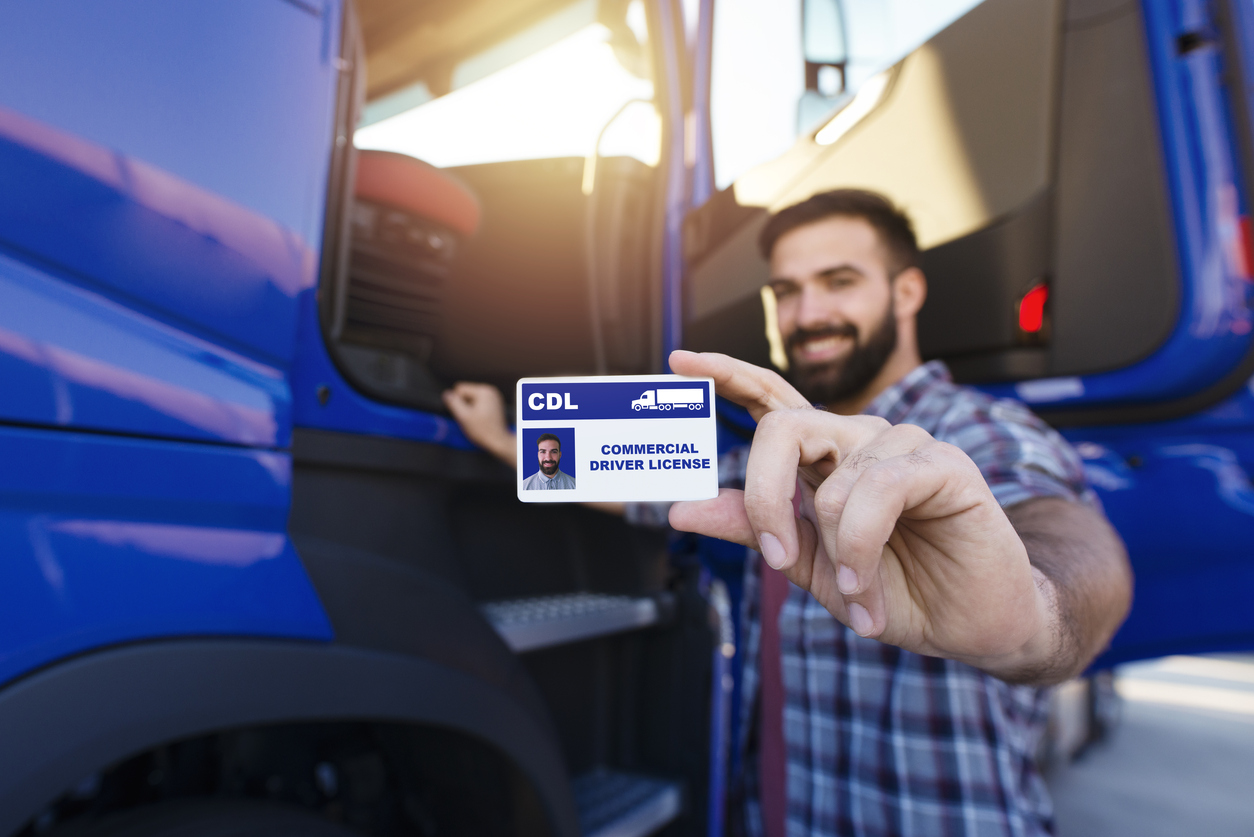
{"x":615,"y":804}
{"x":545,"y":621}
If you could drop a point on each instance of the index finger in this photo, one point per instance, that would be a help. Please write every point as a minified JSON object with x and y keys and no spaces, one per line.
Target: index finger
{"x":758,"y":390}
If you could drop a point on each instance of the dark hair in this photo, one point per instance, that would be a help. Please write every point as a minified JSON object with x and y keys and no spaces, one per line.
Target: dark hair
{"x":891,"y":224}
{"x":549,"y":437}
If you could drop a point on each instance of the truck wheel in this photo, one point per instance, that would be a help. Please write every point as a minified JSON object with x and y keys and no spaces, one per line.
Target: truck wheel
{"x":208,"y":818}
{"x":635,"y":407}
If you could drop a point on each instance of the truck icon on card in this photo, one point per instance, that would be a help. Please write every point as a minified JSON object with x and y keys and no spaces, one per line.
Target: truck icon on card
{"x":670,"y":399}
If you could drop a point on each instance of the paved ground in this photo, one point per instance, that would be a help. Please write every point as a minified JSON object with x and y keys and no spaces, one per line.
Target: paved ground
{"x":1180,"y":761}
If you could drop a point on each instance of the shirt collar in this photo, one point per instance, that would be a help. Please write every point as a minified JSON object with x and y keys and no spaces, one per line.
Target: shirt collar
{"x":544,"y":478}
{"x":896,"y":402}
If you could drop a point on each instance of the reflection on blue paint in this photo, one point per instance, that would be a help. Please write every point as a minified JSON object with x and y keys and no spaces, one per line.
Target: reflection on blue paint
{"x":108,"y":540}
{"x":1232,"y":482}
{"x":1103,"y":468}
{"x":145,"y":232}
{"x":181,"y":174}
{"x":73,"y":358}
{"x":203,"y":545}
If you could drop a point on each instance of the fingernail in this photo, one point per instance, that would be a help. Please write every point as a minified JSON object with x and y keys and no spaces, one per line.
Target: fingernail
{"x":846,"y":580}
{"x":772,"y":550}
{"x":859,"y":619}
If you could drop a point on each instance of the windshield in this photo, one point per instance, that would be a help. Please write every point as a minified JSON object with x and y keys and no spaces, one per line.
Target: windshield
{"x":514,"y":102}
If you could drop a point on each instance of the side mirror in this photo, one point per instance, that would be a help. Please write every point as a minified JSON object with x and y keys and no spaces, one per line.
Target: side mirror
{"x":629,"y":34}
{"x":826,"y":54}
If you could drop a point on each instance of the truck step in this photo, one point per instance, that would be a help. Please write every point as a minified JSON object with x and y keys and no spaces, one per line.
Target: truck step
{"x":545,"y":621}
{"x":615,"y":804}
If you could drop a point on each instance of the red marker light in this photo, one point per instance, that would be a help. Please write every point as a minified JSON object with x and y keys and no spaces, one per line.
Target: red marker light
{"x":1247,"y":247}
{"x":1032,"y":309}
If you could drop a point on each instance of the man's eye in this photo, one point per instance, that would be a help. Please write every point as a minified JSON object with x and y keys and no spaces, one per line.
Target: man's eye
{"x":783,"y":291}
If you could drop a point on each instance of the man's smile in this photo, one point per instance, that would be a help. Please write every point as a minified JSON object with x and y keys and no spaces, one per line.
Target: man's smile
{"x":823,"y":349}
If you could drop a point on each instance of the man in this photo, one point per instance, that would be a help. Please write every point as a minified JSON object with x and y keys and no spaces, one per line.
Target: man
{"x":945,"y":556}
{"x":549,"y":452}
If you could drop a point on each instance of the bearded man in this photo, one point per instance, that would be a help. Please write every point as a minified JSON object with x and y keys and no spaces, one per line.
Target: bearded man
{"x":549,"y":477}
{"x":927,"y":558}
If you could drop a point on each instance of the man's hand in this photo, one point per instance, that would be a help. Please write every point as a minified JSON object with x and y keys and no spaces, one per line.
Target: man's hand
{"x":480,"y":410}
{"x":895,"y":533}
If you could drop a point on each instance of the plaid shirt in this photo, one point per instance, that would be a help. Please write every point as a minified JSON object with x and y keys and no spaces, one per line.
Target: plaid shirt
{"x":881,"y":741}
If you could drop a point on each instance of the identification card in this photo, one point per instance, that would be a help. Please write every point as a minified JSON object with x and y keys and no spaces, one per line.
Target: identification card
{"x":631,"y":438}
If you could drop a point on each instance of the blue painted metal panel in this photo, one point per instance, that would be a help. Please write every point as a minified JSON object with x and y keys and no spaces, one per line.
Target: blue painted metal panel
{"x":106,"y":540}
{"x":1180,"y":495}
{"x":173,"y":155}
{"x":71,"y":357}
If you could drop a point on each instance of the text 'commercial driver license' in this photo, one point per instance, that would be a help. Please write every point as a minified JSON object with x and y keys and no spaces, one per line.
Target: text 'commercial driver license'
{"x":636,"y":438}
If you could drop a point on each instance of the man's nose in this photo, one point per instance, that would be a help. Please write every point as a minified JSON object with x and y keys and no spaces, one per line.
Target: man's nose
{"x":813,"y":309}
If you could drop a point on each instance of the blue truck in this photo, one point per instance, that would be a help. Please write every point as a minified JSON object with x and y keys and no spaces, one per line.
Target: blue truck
{"x":252,"y":577}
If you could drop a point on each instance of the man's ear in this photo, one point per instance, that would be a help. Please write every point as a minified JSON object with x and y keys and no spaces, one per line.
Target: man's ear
{"x":909,"y":292}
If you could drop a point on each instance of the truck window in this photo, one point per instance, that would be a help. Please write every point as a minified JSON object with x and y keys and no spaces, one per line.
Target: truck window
{"x":548,"y":92}
{"x":550,"y":140}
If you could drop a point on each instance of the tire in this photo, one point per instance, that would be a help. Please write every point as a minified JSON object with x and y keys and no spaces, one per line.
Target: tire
{"x":208,"y":818}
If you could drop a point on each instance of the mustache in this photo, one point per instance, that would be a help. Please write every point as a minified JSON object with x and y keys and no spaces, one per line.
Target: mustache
{"x":801,"y":335}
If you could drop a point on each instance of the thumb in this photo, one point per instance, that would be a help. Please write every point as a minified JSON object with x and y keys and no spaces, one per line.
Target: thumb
{"x":723,"y":518}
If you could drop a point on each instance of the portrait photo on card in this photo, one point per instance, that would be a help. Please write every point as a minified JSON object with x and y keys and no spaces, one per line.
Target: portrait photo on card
{"x":548,"y":459}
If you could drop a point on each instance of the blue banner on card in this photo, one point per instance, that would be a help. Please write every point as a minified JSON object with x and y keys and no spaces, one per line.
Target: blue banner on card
{"x":615,"y":400}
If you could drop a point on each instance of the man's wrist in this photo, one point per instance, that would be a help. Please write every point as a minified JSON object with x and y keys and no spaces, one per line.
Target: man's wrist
{"x":503,"y":446}
{"x":1039,"y":660}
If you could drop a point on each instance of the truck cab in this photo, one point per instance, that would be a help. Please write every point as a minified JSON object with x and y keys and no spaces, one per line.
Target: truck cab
{"x":646,"y":401}
{"x":252,"y":569}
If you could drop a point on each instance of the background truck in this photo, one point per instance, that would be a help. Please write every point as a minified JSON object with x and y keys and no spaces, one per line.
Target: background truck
{"x":669,"y":399}
{"x":251,"y":574}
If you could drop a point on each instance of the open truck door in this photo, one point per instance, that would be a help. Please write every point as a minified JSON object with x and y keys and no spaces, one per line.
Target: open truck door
{"x":247,"y":554}
{"x":1079,"y":177}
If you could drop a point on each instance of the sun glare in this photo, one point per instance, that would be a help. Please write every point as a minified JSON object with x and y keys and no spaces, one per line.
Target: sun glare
{"x":551,"y":104}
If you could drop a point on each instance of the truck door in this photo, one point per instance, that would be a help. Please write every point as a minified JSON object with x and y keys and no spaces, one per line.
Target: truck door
{"x":549,"y":123}
{"x":1078,"y":177}
{"x":159,"y":219}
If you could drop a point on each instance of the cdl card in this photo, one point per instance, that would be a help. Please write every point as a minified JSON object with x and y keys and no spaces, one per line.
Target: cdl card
{"x":616,"y":439}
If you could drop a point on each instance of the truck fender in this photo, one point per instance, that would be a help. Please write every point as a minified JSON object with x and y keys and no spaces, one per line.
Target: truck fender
{"x":69,"y":721}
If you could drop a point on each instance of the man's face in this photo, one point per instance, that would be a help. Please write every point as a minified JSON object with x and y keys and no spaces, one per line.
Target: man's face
{"x":835,"y":306}
{"x":550,"y":453}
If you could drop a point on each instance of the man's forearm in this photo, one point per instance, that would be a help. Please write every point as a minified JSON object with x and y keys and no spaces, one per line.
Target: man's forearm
{"x":503,"y":446}
{"x":1084,"y":582}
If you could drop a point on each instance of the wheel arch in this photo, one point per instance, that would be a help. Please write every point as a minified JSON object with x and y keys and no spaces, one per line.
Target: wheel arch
{"x":71,"y":720}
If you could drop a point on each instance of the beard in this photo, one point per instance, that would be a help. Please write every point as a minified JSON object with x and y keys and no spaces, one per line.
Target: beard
{"x":549,"y":468}
{"x":841,"y":379}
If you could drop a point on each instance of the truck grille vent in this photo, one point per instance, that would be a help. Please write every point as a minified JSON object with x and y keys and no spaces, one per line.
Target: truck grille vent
{"x":398,"y":269}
